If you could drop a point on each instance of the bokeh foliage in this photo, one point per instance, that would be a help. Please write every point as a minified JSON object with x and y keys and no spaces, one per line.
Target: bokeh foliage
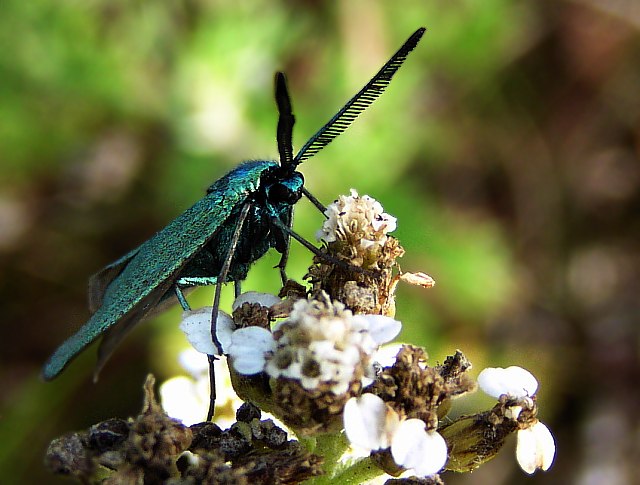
{"x":507,"y":147}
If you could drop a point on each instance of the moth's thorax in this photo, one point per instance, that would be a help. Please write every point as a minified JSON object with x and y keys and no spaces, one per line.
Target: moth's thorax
{"x":246,"y":178}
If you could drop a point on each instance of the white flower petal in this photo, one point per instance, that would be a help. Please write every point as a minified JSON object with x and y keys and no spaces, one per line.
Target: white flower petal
{"x":384,"y":221}
{"x":382,"y":329}
{"x":386,"y":355}
{"x":248,"y":348}
{"x":514,"y":381}
{"x":225,"y":326}
{"x":413,"y":447}
{"x":196,"y":325}
{"x":263,"y":299}
{"x":249,"y":364}
{"x":536,"y":448}
{"x":365,"y":420}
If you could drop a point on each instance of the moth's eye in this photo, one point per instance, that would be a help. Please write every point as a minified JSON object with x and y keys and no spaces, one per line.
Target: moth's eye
{"x":286,"y":191}
{"x":279,"y":192}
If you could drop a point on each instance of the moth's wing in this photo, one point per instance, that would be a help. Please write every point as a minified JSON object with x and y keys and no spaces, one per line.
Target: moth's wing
{"x":99,"y":282}
{"x":116,"y":333}
{"x":152,"y":271}
{"x":159,"y":300}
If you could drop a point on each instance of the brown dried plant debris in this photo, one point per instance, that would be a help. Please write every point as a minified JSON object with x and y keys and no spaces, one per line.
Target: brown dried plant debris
{"x":154,"y":448}
{"x":415,"y":390}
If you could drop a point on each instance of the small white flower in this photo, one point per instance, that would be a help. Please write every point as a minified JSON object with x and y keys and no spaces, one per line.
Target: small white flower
{"x":413,"y":447}
{"x":266,"y":300}
{"x":323,"y":344}
{"x":196,"y":325}
{"x":386,"y":355}
{"x":368,"y":423}
{"x":381,"y":329}
{"x":418,"y":279}
{"x":249,"y":349}
{"x":371,"y":425}
{"x":357,"y":218}
{"x":536,"y":448}
{"x":513,"y":381}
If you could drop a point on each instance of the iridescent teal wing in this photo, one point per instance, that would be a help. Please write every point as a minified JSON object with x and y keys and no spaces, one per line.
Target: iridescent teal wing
{"x":138,"y":281}
{"x":100,"y":281}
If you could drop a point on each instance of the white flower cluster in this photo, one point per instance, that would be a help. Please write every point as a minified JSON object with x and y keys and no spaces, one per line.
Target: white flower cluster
{"x":372,"y":425}
{"x":535,"y":447}
{"x":196,"y":324}
{"x":356,"y":218}
{"x":320,"y":344}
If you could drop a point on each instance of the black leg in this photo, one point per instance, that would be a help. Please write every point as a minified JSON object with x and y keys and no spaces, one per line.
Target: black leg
{"x":224,"y":272}
{"x":282,"y":264}
{"x":212,"y":386}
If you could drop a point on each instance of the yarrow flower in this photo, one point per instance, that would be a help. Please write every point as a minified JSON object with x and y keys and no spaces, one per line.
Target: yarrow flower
{"x":355,"y":217}
{"x":372,"y":425}
{"x":513,"y":381}
{"x":535,"y":447}
{"x":321,"y":344}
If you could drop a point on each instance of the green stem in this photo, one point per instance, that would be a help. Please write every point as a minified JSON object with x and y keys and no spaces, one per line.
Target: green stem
{"x":359,"y":472}
{"x":331,"y":447}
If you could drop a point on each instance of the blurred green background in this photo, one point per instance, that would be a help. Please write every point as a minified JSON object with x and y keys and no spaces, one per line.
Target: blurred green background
{"x":507,"y":146}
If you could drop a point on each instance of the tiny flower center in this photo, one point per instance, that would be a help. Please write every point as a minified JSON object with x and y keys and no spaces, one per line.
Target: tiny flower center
{"x":311,"y":368}
{"x":283,"y":359}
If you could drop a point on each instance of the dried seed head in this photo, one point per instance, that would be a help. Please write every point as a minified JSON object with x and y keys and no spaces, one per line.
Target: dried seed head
{"x":416,"y":390}
{"x":155,"y":439}
{"x":356,"y":233}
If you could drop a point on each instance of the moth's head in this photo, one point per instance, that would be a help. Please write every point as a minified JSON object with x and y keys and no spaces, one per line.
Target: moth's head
{"x":284,"y":187}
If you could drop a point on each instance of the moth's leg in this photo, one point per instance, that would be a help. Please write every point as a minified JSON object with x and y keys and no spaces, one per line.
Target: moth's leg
{"x":188,"y":281}
{"x":212,"y":386}
{"x":185,"y":282}
{"x":282,"y":264}
{"x":221,"y":278}
{"x":200,"y":281}
{"x":181,"y":299}
{"x":278,"y":223}
{"x":197,"y":281}
{"x":224,"y":271}
{"x":314,"y":201}
{"x":237,"y":289}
